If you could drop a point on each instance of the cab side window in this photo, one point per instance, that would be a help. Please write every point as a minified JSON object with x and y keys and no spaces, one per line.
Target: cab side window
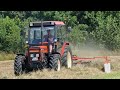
{"x":61,"y":33}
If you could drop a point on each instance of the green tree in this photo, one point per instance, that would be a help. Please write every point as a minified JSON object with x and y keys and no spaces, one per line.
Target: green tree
{"x":10,"y":35}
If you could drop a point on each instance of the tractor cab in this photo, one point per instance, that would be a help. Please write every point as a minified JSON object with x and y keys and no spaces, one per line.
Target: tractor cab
{"x":38,"y":30}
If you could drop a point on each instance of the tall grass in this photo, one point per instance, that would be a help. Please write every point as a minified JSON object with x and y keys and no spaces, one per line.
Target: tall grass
{"x":6,"y":56}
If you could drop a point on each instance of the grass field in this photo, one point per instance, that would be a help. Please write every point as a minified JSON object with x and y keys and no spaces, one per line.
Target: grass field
{"x":6,"y":56}
{"x":79,"y":71}
{"x":92,"y":70}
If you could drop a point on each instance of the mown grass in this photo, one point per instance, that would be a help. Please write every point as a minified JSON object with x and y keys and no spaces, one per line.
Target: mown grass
{"x":85,"y":70}
{"x":90,"y":70}
{"x":6,"y":56}
{"x":76,"y":72}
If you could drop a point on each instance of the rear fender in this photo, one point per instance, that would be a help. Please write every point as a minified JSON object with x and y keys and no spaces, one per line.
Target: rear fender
{"x":63,"y":48}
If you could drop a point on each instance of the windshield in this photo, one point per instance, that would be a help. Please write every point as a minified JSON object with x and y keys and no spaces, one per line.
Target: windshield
{"x":35,"y":34}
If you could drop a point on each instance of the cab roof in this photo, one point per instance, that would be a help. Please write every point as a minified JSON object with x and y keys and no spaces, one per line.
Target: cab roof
{"x":46,"y":23}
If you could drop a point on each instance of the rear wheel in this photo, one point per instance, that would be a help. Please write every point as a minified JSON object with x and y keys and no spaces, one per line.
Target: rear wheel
{"x":67,"y":58}
{"x":19,"y":65}
{"x":55,"y":62}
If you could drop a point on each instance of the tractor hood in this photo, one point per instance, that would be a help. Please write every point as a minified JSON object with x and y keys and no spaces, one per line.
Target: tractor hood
{"x":38,"y":49}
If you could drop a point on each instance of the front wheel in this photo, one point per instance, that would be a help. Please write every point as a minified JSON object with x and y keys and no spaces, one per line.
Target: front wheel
{"x":55,"y":62}
{"x":19,"y":65}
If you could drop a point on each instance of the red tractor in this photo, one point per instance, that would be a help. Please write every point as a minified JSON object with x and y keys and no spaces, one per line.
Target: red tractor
{"x":37,"y":55}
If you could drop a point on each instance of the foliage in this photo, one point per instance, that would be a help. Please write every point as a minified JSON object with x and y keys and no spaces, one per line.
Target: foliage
{"x":103,"y":27}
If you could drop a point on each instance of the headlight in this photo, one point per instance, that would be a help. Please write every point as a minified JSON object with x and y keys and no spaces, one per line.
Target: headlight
{"x":37,"y":55}
{"x":31,"y":55}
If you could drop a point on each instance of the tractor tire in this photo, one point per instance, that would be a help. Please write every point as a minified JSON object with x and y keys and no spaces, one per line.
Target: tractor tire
{"x":19,"y":65}
{"x":54,"y":62}
{"x":67,"y":58}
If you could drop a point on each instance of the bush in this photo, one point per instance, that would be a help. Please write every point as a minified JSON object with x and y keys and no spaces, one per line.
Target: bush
{"x":10,"y":35}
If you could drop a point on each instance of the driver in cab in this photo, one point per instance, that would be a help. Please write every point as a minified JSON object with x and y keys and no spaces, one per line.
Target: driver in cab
{"x":49,"y":38}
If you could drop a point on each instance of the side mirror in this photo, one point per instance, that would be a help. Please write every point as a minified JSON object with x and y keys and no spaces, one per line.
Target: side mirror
{"x":69,"y":29}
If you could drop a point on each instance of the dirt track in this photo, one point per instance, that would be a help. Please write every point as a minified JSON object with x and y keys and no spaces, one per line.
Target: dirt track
{"x":77,"y":72}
